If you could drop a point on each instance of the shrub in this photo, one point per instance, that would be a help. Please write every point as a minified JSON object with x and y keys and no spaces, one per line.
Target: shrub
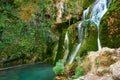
{"x":78,"y":71}
{"x":59,"y":68}
{"x":77,"y":59}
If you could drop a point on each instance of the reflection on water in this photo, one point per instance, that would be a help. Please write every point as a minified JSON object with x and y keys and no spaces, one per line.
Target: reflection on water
{"x":31,"y":72}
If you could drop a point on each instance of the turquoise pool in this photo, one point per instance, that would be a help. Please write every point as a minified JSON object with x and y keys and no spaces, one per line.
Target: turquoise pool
{"x":28,"y":72}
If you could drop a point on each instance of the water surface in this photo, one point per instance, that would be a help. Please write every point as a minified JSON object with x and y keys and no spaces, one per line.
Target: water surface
{"x":29,"y":72}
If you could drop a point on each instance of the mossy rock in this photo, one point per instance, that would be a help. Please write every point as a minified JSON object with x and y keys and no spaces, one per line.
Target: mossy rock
{"x":110,"y":26}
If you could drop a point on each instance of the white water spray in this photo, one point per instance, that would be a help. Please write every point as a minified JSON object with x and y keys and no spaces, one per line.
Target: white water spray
{"x":98,"y":9}
{"x":66,"y":43}
{"x":74,"y":53}
{"x":85,"y":13}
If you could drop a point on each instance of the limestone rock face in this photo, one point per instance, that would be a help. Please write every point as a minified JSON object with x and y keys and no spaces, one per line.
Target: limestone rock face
{"x":115,"y":69}
{"x":91,"y":77}
{"x":105,"y":65}
{"x":94,"y":77}
{"x":99,"y":65}
{"x":118,"y":53}
{"x":107,"y":77}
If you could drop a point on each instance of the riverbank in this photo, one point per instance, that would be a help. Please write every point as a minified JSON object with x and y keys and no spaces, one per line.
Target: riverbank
{"x":97,"y":65}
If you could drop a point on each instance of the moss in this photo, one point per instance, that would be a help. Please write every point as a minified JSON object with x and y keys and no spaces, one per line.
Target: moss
{"x":25,"y":30}
{"x":110,"y":29}
{"x":73,"y":36}
{"x":90,"y":42}
{"x":61,"y":48}
{"x":53,"y":49}
{"x":103,"y":72}
{"x":78,"y":71}
{"x":105,"y":59}
{"x":86,"y":3}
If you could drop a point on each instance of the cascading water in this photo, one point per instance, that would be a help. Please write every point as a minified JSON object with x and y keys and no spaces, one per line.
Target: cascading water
{"x":80,"y":35}
{"x":66,"y":43}
{"x":85,"y":13}
{"x":98,"y":9}
{"x":74,"y":53}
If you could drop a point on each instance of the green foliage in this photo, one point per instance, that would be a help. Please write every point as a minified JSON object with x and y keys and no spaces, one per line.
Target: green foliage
{"x":78,"y":71}
{"x":18,"y":1}
{"x":26,"y":40}
{"x":86,"y":3}
{"x":89,"y":40}
{"x":114,"y":6}
{"x":59,"y":68}
{"x":109,"y":28}
{"x":77,"y":58}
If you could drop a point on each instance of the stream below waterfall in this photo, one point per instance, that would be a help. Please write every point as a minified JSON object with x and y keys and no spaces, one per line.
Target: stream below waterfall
{"x":28,"y":72}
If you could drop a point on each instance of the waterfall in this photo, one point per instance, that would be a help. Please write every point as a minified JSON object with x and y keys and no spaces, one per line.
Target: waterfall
{"x":66,"y":44}
{"x":85,"y":13}
{"x":80,"y":32}
{"x":74,"y":53}
{"x":98,"y":9}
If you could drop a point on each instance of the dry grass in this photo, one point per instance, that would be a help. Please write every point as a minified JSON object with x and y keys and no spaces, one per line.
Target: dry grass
{"x":27,"y":11}
{"x":70,"y":69}
{"x":102,"y":71}
{"x":105,"y":59}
